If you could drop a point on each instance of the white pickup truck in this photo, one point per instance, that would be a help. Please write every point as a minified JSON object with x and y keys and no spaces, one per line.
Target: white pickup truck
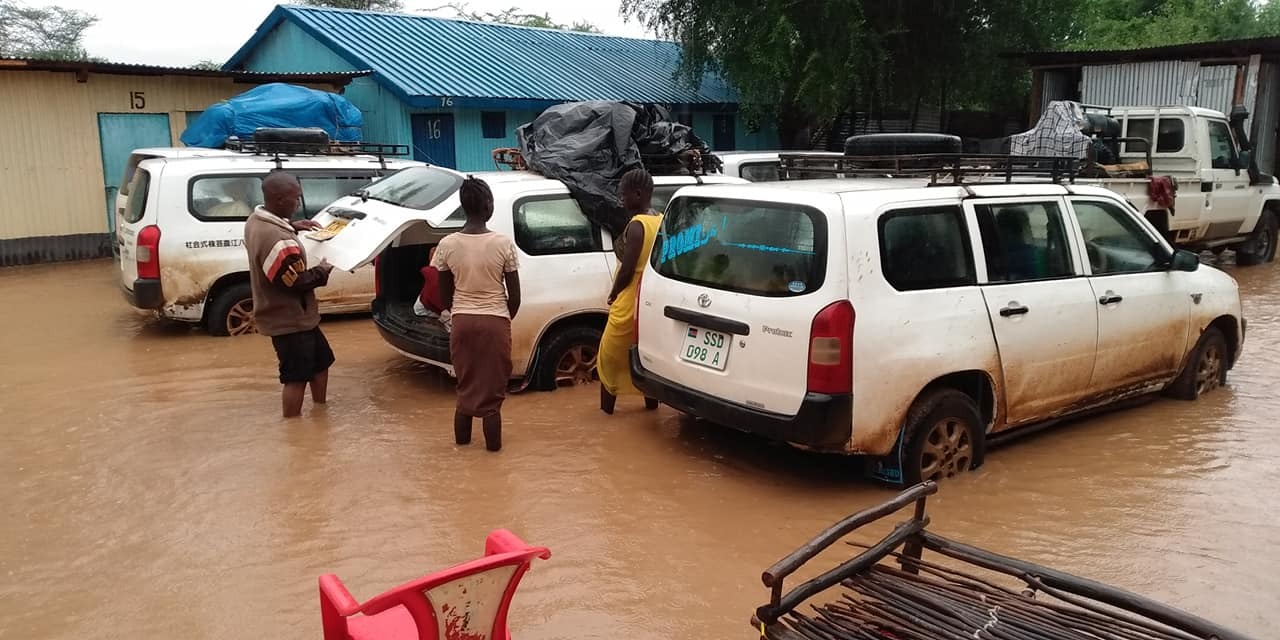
{"x":1220,"y":202}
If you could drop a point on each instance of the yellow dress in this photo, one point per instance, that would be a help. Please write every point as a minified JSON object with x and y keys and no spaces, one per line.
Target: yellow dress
{"x":613,"y":363}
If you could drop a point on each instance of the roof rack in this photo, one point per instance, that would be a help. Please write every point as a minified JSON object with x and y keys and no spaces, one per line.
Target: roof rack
{"x":690,"y":162}
{"x":281,"y":144}
{"x":939,"y":169}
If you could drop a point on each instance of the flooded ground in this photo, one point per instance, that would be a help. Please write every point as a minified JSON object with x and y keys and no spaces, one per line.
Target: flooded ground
{"x":150,"y":491}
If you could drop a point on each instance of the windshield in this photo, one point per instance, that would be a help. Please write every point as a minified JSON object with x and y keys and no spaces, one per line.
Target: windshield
{"x":766,"y":249}
{"x":418,"y":188}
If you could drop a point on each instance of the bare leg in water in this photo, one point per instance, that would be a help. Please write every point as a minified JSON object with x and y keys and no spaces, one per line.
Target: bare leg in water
{"x":320,"y":387}
{"x":493,"y":432}
{"x":461,"y":429}
{"x":291,"y":399}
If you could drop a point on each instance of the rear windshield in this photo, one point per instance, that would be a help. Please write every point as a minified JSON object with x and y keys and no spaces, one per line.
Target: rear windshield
{"x":749,"y":247}
{"x":138,"y":189}
{"x":129,"y":168}
{"x":418,"y":188}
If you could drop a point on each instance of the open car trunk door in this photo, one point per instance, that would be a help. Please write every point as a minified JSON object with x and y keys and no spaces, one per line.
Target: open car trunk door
{"x":357,"y":228}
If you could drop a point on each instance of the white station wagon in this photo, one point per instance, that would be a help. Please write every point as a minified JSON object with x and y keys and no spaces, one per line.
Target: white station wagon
{"x":180,"y":233}
{"x":914,"y":323}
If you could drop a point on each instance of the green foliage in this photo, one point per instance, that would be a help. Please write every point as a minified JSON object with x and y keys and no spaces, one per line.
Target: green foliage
{"x":50,"y":33}
{"x":364,"y":5}
{"x":515,"y":16}
{"x":1130,"y":24}
{"x":208,"y":65}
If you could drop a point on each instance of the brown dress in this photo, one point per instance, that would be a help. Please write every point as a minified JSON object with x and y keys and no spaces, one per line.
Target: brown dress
{"x":480,"y":343}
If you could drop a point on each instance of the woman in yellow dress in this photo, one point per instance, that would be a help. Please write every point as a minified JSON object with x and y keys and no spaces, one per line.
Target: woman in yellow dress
{"x":613,"y":362}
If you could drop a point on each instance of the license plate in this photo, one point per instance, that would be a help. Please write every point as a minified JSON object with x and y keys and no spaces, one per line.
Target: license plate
{"x":706,"y":347}
{"x":320,"y":235}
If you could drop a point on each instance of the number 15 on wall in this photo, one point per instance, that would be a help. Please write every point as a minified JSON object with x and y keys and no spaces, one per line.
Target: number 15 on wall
{"x":138,"y":100}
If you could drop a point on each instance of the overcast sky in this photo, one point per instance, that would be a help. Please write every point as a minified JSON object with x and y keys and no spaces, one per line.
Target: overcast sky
{"x":182,"y":32}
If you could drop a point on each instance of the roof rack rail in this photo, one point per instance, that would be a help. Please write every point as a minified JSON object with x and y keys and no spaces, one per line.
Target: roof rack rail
{"x":939,"y":169}
{"x":690,"y":162}
{"x":284,"y":143}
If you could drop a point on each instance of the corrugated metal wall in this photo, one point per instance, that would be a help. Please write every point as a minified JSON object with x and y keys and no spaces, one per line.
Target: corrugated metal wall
{"x":1217,"y":87}
{"x":1266,"y":117}
{"x":50,"y":159}
{"x":1170,"y":82}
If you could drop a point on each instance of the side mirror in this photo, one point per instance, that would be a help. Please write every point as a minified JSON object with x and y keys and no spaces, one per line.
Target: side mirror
{"x":1184,"y":260}
{"x":1243,"y":159}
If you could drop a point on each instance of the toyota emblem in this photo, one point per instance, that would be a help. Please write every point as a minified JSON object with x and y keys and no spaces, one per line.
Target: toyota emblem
{"x":704,"y":301}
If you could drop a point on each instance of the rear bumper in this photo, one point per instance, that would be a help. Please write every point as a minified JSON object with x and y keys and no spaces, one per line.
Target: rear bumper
{"x":145,"y":294}
{"x":824,"y":421}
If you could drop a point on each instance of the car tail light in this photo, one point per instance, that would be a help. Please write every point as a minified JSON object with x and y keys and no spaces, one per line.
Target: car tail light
{"x":377,"y":277}
{"x":148,"y":252}
{"x":831,"y":349}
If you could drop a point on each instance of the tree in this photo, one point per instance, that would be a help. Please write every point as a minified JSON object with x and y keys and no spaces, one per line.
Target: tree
{"x":364,"y":5}
{"x":808,"y":62}
{"x":208,"y":65}
{"x":515,"y":16}
{"x":1129,"y":24}
{"x":50,"y":32}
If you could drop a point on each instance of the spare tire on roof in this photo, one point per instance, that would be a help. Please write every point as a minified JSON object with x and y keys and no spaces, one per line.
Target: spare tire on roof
{"x":900,"y":144}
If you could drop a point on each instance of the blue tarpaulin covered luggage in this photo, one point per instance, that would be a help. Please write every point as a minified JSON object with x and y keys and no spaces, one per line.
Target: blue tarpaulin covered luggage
{"x":275,"y":105}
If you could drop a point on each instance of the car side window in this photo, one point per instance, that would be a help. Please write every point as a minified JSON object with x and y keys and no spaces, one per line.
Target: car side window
{"x":225,"y":198}
{"x":1024,"y":241}
{"x":552,"y":226}
{"x":139,"y":187}
{"x":1115,"y":241}
{"x":319,"y":192}
{"x":926,"y":248}
{"x":1220,"y":148}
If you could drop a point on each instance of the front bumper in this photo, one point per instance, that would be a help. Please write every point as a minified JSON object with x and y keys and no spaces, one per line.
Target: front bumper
{"x":145,"y":294}
{"x":824,"y":422}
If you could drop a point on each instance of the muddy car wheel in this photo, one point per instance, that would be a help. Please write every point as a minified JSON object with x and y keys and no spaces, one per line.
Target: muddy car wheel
{"x":1205,"y":370}
{"x":231,"y":313}
{"x":946,"y":437}
{"x":567,"y":358}
{"x":1261,"y":245}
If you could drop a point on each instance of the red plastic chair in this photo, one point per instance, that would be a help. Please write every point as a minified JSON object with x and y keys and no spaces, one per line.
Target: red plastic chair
{"x":466,"y":602}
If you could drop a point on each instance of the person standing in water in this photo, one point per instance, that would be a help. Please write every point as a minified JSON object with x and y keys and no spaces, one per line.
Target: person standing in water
{"x":613,"y":363}
{"x":284,"y":298}
{"x":480,"y":287}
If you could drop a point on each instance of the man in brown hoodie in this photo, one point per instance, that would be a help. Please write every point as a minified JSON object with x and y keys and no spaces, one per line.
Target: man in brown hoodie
{"x":284,"y":299}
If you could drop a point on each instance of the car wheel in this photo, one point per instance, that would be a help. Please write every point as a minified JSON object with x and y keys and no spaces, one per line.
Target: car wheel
{"x":567,"y":358}
{"x":231,"y":313}
{"x":1205,"y":370}
{"x":945,"y":437}
{"x":1261,"y":245}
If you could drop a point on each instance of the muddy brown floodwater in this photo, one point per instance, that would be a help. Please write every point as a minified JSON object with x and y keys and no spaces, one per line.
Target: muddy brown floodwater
{"x":149,"y":491}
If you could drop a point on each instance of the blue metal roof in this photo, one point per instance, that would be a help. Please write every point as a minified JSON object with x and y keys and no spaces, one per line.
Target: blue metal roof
{"x":423,"y":59}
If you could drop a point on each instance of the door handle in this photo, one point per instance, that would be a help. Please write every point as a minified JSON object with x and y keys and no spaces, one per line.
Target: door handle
{"x":1110,"y":298}
{"x":1014,"y":309}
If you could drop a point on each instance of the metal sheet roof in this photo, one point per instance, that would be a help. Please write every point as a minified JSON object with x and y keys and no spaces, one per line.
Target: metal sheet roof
{"x":425,"y":57}
{"x":8,"y":63}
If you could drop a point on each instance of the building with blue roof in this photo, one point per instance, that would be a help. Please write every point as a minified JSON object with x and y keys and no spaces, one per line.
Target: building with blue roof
{"x":454,"y":90}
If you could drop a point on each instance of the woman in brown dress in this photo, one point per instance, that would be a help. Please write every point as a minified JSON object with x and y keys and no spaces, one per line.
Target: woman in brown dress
{"x":480,"y":286}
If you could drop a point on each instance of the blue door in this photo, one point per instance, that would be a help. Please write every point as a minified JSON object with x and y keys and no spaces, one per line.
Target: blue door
{"x":433,"y":139}
{"x":723,"y":133}
{"x":121,"y":133}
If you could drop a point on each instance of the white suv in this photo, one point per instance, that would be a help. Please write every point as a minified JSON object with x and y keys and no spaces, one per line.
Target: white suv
{"x":914,"y":323}
{"x":566,"y":263}
{"x":181,"y":234}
